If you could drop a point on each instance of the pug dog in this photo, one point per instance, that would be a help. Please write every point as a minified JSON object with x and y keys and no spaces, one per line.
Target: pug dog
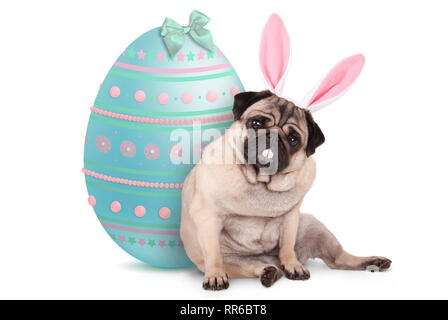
{"x":242,"y":218}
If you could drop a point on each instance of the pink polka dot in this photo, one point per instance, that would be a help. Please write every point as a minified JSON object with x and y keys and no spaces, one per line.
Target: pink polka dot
{"x":187,"y":98}
{"x":212,"y":96}
{"x":114,"y":92}
{"x":163,"y":98}
{"x":115,"y":206}
{"x":164,"y":213}
{"x":140,"y":96}
{"x":92,"y":201}
{"x":234,"y":91}
{"x":139,"y":211}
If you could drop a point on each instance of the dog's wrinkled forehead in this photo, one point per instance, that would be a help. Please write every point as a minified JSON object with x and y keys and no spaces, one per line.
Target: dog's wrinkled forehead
{"x":268,"y":105}
{"x":281,"y":110}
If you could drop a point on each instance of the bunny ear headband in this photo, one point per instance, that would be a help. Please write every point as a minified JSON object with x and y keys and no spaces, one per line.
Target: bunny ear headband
{"x":274,"y":60}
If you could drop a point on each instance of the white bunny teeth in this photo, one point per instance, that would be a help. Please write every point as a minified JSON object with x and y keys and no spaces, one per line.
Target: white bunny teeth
{"x":268,"y":153}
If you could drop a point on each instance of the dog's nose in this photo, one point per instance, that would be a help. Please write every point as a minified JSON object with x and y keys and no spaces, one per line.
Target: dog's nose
{"x":268,"y":153}
{"x":266,"y":156}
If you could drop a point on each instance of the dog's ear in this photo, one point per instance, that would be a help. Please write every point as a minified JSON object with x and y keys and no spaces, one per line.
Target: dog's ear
{"x":244,"y":100}
{"x":315,"y":135}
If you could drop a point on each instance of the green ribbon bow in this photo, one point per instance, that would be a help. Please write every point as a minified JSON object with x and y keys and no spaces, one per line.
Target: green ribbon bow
{"x":173,"y":34}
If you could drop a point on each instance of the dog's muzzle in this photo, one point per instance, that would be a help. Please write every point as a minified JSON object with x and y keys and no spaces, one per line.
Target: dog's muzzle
{"x":265,"y":150}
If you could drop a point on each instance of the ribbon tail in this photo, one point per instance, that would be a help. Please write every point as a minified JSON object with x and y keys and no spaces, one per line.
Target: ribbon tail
{"x":203,"y":37}
{"x":198,"y":18}
{"x":173,"y":43}
{"x":172,"y":35}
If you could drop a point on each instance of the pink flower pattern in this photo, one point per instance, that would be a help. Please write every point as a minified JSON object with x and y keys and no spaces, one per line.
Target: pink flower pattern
{"x":127,"y":149}
{"x":198,"y":149}
{"x":175,"y":152}
{"x":103,"y":144}
{"x":152,"y":151}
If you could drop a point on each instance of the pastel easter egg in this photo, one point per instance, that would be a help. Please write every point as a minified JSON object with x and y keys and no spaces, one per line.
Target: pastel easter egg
{"x":142,"y":141}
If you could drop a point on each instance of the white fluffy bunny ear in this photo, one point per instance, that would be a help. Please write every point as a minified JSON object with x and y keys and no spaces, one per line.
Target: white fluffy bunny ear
{"x":274,"y":53}
{"x":335,"y":83}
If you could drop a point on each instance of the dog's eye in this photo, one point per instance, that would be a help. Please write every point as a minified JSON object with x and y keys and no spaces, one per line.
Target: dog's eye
{"x":293,"y":139}
{"x":256,"y":124}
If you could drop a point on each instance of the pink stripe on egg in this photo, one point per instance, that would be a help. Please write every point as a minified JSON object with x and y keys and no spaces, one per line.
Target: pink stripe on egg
{"x":145,"y":231}
{"x":161,"y":121}
{"x":131,"y":182}
{"x":158,"y":70}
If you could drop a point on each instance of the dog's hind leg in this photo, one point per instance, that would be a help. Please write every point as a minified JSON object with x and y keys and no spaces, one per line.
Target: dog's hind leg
{"x":263,"y":267}
{"x":314,"y":240}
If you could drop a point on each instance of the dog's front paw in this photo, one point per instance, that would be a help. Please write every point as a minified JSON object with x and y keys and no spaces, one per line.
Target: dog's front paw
{"x":270,"y":275}
{"x":216,"y":280}
{"x":295,"y":271}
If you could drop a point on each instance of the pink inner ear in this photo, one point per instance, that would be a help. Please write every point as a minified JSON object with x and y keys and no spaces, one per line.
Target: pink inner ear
{"x":338,"y":80}
{"x":274,"y":50}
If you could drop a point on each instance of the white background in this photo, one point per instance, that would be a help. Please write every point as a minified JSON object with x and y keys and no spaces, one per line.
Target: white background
{"x":382,"y":174}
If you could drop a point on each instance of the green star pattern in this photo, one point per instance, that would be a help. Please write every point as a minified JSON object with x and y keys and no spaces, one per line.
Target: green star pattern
{"x":131,"y":240}
{"x":151,"y":243}
{"x":131,"y":52}
{"x":171,"y":243}
{"x":210,"y":54}
{"x":151,"y":55}
{"x":190,"y":56}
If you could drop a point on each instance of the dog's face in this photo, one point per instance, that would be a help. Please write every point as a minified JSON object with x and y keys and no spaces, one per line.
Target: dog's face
{"x":276,"y":135}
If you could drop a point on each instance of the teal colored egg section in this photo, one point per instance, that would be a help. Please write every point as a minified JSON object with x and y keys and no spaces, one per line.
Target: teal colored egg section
{"x":142,"y":141}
